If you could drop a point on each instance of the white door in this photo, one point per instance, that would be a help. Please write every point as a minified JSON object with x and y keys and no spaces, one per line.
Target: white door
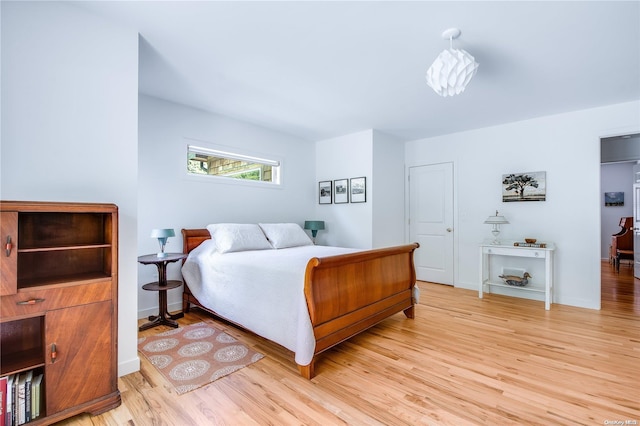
{"x":636,"y":230}
{"x":431,"y":221}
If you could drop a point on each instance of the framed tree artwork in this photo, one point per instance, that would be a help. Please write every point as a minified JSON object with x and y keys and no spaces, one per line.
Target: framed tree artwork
{"x":530,"y":186}
{"x":358,"y":190}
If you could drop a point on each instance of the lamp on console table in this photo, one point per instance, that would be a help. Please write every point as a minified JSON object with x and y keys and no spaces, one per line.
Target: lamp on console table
{"x":162,"y":235}
{"x":314,"y":226}
{"x":496,"y":221}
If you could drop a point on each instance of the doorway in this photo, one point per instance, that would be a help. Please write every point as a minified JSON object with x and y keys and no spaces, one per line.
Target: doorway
{"x":619,"y":171}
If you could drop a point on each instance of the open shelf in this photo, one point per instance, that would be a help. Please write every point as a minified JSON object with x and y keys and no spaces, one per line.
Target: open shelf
{"x":62,"y":229}
{"x":42,"y":267}
{"x":22,"y":347}
{"x":71,"y":279}
{"x":526,"y":288}
{"x":69,"y":247}
{"x":22,"y":361}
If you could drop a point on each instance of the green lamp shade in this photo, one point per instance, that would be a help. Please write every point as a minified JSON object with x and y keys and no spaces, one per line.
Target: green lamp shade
{"x":314,"y":226}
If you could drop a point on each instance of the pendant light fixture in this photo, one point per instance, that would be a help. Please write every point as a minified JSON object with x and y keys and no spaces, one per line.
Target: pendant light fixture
{"x":453,"y":68}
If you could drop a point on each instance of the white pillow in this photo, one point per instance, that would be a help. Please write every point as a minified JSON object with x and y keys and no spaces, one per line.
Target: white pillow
{"x":283,"y":235}
{"x":230,"y":237}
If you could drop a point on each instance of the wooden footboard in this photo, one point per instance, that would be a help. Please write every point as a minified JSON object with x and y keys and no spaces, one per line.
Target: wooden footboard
{"x":345,"y":294}
{"x":192,"y":238}
{"x":350,"y":293}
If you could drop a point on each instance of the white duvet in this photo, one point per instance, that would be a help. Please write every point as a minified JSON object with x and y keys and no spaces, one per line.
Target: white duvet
{"x":261,"y":290}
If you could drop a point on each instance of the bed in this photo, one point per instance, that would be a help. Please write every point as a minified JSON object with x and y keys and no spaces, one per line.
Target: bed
{"x":309,"y":299}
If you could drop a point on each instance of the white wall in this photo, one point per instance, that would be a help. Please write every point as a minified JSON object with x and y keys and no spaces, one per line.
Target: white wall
{"x":616,"y":177}
{"x":567,"y":147}
{"x":378,"y":222}
{"x":169,"y":198}
{"x":387,"y":188}
{"x":69,"y":125}
{"x":345,"y":157}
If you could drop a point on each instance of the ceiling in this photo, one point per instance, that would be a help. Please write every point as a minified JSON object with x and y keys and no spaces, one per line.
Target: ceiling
{"x":318,"y":70}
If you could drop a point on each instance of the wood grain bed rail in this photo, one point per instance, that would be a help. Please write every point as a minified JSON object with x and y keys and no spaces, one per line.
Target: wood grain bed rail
{"x":345,"y":294}
{"x":350,"y":293}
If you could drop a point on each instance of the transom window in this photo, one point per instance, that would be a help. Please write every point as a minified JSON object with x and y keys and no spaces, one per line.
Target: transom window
{"x":211,"y":162}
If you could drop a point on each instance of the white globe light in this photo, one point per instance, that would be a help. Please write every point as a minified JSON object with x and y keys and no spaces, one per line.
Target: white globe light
{"x":451,"y":72}
{"x":453,"y":68}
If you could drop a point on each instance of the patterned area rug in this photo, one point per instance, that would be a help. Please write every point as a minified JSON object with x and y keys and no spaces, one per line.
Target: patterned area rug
{"x":193,"y":356}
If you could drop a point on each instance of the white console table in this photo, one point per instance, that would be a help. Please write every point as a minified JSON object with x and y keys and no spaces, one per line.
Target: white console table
{"x":508,"y":249}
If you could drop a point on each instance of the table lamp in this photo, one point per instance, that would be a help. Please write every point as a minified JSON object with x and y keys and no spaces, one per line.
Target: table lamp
{"x":162,"y":235}
{"x":496,"y":221}
{"x":314,"y":226}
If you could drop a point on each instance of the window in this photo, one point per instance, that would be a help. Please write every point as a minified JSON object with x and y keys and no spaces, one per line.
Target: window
{"x":211,"y":162}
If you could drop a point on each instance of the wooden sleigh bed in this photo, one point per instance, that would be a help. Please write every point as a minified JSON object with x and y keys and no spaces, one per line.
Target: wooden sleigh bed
{"x":345,"y":294}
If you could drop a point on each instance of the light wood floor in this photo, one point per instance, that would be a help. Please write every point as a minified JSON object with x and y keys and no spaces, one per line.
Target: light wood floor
{"x":463,"y":360}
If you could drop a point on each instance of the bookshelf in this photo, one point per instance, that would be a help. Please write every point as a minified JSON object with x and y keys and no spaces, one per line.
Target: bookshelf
{"x":58,"y":308}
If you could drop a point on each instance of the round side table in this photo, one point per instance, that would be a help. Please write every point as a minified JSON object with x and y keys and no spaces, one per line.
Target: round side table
{"x":161,"y":286}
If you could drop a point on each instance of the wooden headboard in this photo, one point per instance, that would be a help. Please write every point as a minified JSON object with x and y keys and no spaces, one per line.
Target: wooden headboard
{"x":192,"y":238}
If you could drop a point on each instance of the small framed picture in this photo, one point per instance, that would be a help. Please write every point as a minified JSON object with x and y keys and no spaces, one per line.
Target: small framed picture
{"x":341,"y":191}
{"x":531,"y":186}
{"x":324,"y":191}
{"x":358,"y":189}
{"x":614,"y":199}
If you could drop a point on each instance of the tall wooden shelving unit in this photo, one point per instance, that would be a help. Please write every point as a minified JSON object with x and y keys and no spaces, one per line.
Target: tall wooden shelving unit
{"x":58,"y":303}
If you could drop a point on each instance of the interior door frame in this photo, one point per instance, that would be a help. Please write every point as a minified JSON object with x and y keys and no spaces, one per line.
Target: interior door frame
{"x":620,"y":132}
{"x":407,"y":230}
{"x":636,"y":229}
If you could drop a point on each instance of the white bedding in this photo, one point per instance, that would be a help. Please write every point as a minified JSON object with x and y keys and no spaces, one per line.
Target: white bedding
{"x":261,"y":290}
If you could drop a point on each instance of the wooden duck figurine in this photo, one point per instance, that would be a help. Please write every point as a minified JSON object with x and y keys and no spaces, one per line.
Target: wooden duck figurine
{"x":516,"y":280}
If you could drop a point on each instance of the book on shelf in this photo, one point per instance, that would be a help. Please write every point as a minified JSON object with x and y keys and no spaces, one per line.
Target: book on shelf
{"x":21,"y":397}
{"x":3,"y":398}
{"x":36,"y":386}
{"x":15,"y":404}
{"x":534,"y":245}
{"x":10,"y":412}
{"x":27,"y":395}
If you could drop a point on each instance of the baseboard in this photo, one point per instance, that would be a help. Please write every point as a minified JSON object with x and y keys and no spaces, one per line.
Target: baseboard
{"x":128,"y":367}
{"x":467,"y":286}
{"x":172,"y":307}
{"x":557,"y":300}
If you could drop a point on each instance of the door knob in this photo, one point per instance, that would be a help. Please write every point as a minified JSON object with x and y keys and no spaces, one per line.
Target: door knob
{"x":449,"y":229}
